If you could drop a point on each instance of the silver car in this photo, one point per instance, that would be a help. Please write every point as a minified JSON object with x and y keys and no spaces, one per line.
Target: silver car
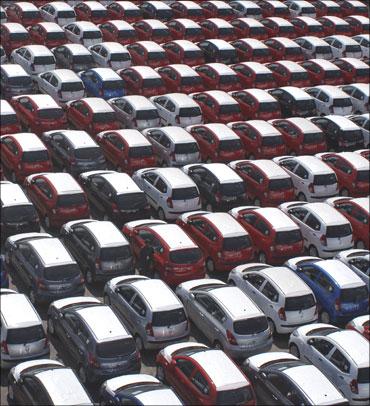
{"x":359,"y":261}
{"x":150,"y":309}
{"x":227,"y":317}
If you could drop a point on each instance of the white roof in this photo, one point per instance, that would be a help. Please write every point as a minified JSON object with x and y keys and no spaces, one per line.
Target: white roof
{"x":357,"y":3}
{"x":354,"y":344}
{"x":139,"y":102}
{"x":186,"y":45}
{"x":221,"y":96}
{"x":51,"y":27}
{"x":98,"y":105}
{"x":287,"y":42}
{"x":309,"y":20}
{"x":17,"y":310}
{"x":259,"y":360}
{"x":363,"y":202}
{"x":261,"y":95}
{"x":94,"y":5}
{"x":103,"y":322}
{"x":114,"y":47}
{"x":282,"y":22}
{"x":328,"y":214}
{"x":219,"y":4}
{"x":15,"y":27}
{"x":220,"y":43}
{"x":226,"y":224}
{"x":362,"y":20}
{"x":77,"y":49}
{"x":358,"y":162}
{"x":146,"y":72}
{"x":86,"y":26}
{"x":64,"y":183}
{"x":316,"y":41}
{"x":256,"y":67}
{"x":222,"y":371}
{"x":67,"y":75}
{"x":333,"y":91}
{"x":121,"y":182}
{"x":19,"y":368}
{"x":41,"y":50}
{"x":106,"y":233}
{"x":222,"y":131}
{"x":178,"y":134}
{"x":304,"y":125}
{"x":158,"y":295}
{"x":264,"y":127}
{"x":363,"y":87}
{"x":220,"y":22}
{"x":297,"y":93}
{"x":251,"y":22}
{"x":325,"y":64}
{"x":160,"y":5}
{"x":121,"y":26}
{"x":187,"y":23}
{"x":128,"y":5}
{"x":6,"y":108}
{"x":79,"y":139}
{"x":29,"y":141}
{"x":292,"y":66}
{"x":357,"y":63}
{"x":182,"y":99}
{"x":159,"y":397}
{"x":343,"y":122}
{"x":253,"y":43}
{"x":117,"y":382}
{"x":134,"y":138}
{"x":43,"y":101}
{"x":178,"y":238}
{"x":341,"y":273}
{"x":12,"y":194}
{"x":52,"y":252}
{"x":107,"y":73}
{"x":152,"y":46}
{"x":221,"y":68}
{"x":155,"y":24}
{"x":330,"y":3}
{"x":175,"y":177}
{"x":344,"y":39}
{"x":62,"y":5}
{"x":27,"y":6}
{"x":336,"y":20}
{"x":183,"y":70}
{"x":223,"y":172}
{"x":14,"y":69}
{"x":277,"y":218}
{"x":63,"y":387}
{"x":270,"y":168}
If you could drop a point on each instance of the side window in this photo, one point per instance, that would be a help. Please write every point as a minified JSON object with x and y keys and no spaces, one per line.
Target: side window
{"x":165,"y":141}
{"x":324,"y":283}
{"x":150,"y":177}
{"x":262,"y":227}
{"x":255,"y":280}
{"x":340,"y":361}
{"x":250,"y":218}
{"x":170,"y":106}
{"x":139,"y":306}
{"x":256,"y":175}
{"x":126,"y":293}
{"x":204,"y":301}
{"x":185,"y":366}
{"x":301,"y":172}
{"x":309,"y":271}
{"x":161,"y":186}
{"x":201,"y":383}
{"x":289,"y":164}
{"x":313,"y":223}
{"x":44,"y":188}
{"x":270,"y":292}
{"x":323,"y":346}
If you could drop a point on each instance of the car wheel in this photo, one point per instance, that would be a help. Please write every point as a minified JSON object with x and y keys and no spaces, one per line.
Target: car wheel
{"x":32,"y":296}
{"x":293,"y":349}
{"x":50,"y":326}
{"x":344,"y":192}
{"x":210,"y":265}
{"x":82,"y":374}
{"x":161,"y":214}
{"x":218,"y":346}
{"x":271,"y":326}
{"x":257,"y":202}
{"x":262,"y":258}
{"x":89,"y":277}
{"x":313,"y":251}
{"x":47,"y":222}
{"x":302,"y":197}
{"x":324,"y":317}
{"x":106,"y":300}
{"x":360,"y":245}
{"x":160,"y":374}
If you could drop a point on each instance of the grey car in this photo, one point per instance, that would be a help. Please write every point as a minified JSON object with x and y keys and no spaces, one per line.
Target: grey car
{"x":153,"y":313}
{"x":227,"y":317}
{"x":15,"y":81}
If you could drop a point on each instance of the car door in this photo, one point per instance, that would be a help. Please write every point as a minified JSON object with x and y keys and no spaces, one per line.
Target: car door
{"x":146,"y":183}
{"x":318,"y":350}
{"x":91,"y":82}
{"x":79,"y":244}
{"x":20,"y":261}
{"x":311,"y":227}
{"x":338,"y":369}
{"x":158,"y":192}
{"x":301,"y":176}
{"x":155,"y":136}
{"x":200,"y":312}
{"x":69,"y":334}
{"x":96,"y":193}
{"x":251,"y":285}
{"x":120,"y":301}
{"x":95,"y":50}
{"x":114,"y":148}
{"x":42,"y":195}
{"x":298,"y":214}
{"x":182,"y":372}
{"x":43,"y":82}
{"x":271,"y":388}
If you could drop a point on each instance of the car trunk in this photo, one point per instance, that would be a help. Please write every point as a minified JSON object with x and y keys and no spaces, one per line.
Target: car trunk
{"x":169,"y":324}
{"x":26,"y":341}
{"x":300,"y":309}
{"x":339,"y":237}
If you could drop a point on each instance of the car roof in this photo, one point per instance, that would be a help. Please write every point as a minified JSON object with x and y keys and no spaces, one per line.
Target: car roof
{"x":277,"y":218}
{"x":77,"y":49}
{"x":222,"y":172}
{"x":182,"y":99}
{"x":226,"y":224}
{"x":179,"y":239}
{"x":343,"y":122}
{"x":256,"y":66}
{"x":14,"y":27}
{"x":317,"y":41}
{"x":43,"y":101}
{"x":287,"y":42}
{"x":357,"y":63}
{"x":139,"y":102}
{"x":220,"y":43}
{"x":106,"y":233}
{"x":303,"y":124}
{"x":222,"y":131}
{"x":113,"y":384}
{"x":17,"y":311}
{"x":152,"y":46}
{"x":333,"y":91}
{"x":51,"y":27}
{"x":324,"y":63}
{"x":187,"y":23}
{"x":12,"y":194}
{"x":122,"y":183}
{"x":86,"y":25}
{"x":280,"y":21}
{"x":252,"y":22}
{"x":221,"y":96}
{"x":344,"y":39}
{"x":66,"y":75}
{"x":276,"y":3}
{"x":94,"y":5}
{"x":363,"y":87}
{"x":78,"y":138}
{"x":113,"y":47}
{"x":297,"y":92}
{"x":103,"y":322}
{"x":121,"y":25}
{"x":286,"y":280}
{"x":262,"y":96}
{"x":146,"y":72}
{"x":186,"y":44}
{"x":6,"y":108}
{"x":128,"y":5}
{"x":13,"y":70}
{"x":341,"y":273}
{"x":29,"y":141}
{"x":292,"y":66}
{"x":315,"y":165}
{"x":178,"y":134}
{"x":106,"y":73}
{"x":162,"y":396}
{"x":134,"y":138}
{"x":160,"y":5}
{"x":61,"y":5}
{"x":175,"y":177}
{"x":155,"y":24}
{"x":336,"y":20}
{"x":27,"y":6}
{"x":358,"y":162}
{"x":309,"y":20}
{"x":329,"y":215}
{"x":264,"y":127}
{"x":363,"y":202}
{"x":183,"y":70}
{"x":221,"y":68}
{"x":222,"y":371}
{"x":253,"y":42}
{"x":52,"y":252}
{"x":219,"y":22}
{"x":97,"y":104}
{"x":64,"y":183}
{"x":38,"y":50}
{"x":271,"y":169}
{"x":157,"y":294}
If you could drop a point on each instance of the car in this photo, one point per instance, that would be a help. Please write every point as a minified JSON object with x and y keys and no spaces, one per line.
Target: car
{"x":229,"y":318}
{"x":364,"y":152}
{"x":330,"y":100}
{"x":152,"y":30}
{"x":281,"y":377}
{"x":102,"y":82}
{"x":217,"y":106}
{"x":38,"y":112}
{"x":3,"y":16}
{"x":357,"y":212}
{"x":307,"y":26}
{"x":218,"y":76}
{"x":34,"y":59}
{"x":23,"y":12}
{"x":73,"y":56}
{"x":170,"y":191}
{"x":289,"y":73}
{"x":18,"y":213}
{"x":272,"y":8}
{"x":110,"y":55}
{"x":353,"y":70}
{"x":58,"y":12}
{"x":127,"y":150}
{"x":354,"y":7}
{"x":251,"y":49}
{"x":124,"y":10}
{"x":183,"y":51}
{"x":314,"y":47}
{"x":156,"y":9}
{"x":92,"y":11}
{"x":23,"y":154}
{"x":246,"y":8}
{"x":359,"y":24}
{"x":340,"y":354}
{"x":224,"y":383}
{"x":325,"y":230}
{"x":4,"y":276}
{"x":323,"y":72}
{"x":142,"y":80}
{"x":327,"y":7}
{"x":266,"y":184}
{"x":62,"y":85}
{"x":218,"y":50}
{"x":352,"y":172}
{"x":301,"y":136}
{"x":13,"y":36}
{"x":359,"y":95}
{"x":57,"y":197}
{"x":174,"y":260}
{"x":45,"y":268}
{"x":47,"y":33}
{"x":154,"y":314}
{"x":361,"y":325}
{"x":177,"y":109}
{"x":3,"y":57}
{"x":98,"y":343}
{"x":217,"y":28}
{"x":343,"y":46}
{"x":364,"y":41}
{"x":147,"y":53}
{"x":10,"y":122}
{"x":181,"y":78}
{"x":301,"y":8}
{"x":217,"y":9}
{"x":92,"y":114}
{"x":284,"y":48}
{"x":73,"y":151}
{"x":334,"y":25}
{"x":277,"y":26}
{"x":254,"y":74}
{"x":138,"y":389}
{"x":246,"y":27}
{"x":185,"y":28}
{"x":41,"y":375}
{"x":118,"y":31}
{"x":224,"y":242}
{"x":22,"y":332}
{"x":220,"y":186}
{"x":83,"y":32}
{"x":186,"y":9}
{"x":358,"y":260}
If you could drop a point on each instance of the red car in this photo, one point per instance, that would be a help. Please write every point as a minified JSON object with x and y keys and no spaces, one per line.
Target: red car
{"x":224,"y":242}
{"x":360,"y":324}
{"x":147,"y":53}
{"x":183,"y":51}
{"x":218,"y":76}
{"x":176,"y":259}
{"x":92,"y":11}
{"x":48,"y":34}
{"x":275,"y":235}
{"x":57,"y":197}
{"x":254,"y":74}
{"x":350,"y":7}
{"x":274,"y":9}
{"x":359,"y":24}
{"x":23,"y":154}
{"x":127,"y":149}
{"x":353,"y":70}
{"x":289,"y":73}
{"x":278,"y":27}
{"x":142,"y":80}
{"x":323,"y":72}
{"x":118,"y":31}
{"x":9,"y":122}
{"x":152,"y":30}
{"x":24,"y":12}
{"x":125,"y":11}
{"x":251,"y":49}
{"x":13,"y":36}
{"x":217,"y":142}
{"x":183,"y":28}
{"x":364,"y":152}
{"x":301,"y":136}
{"x":92,"y":114}
{"x":284,"y":48}
{"x":39,"y":112}
{"x":352,"y":172}
{"x":246,"y":27}
{"x":187,"y":9}
{"x":307,"y":26}
{"x":335,"y":25}
{"x":261,"y":140}
{"x":257,"y":104}
{"x":218,"y":106}
{"x":217,"y":9}
{"x":218,"y":28}
{"x":200,"y":382}
{"x":325,"y":7}
{"x":181,"y":78}
{"x":266,"y":183}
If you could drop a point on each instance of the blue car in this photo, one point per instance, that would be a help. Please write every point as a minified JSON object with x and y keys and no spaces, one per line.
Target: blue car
{"x":103,"y":82}
{"x":340,"y":293}
{"x":4,"y":278}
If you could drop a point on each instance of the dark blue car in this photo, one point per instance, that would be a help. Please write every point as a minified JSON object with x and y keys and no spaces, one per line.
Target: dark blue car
{"x":103,"y":82}
{"x":4,"y":278}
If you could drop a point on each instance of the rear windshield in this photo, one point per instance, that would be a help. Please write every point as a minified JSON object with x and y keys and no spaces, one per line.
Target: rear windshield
{"x":168,"y":318}
{"x":229,"y":109}
{"x":257,"y":30}
{"x":185,"y":256}
{"x":156,"y":55}
{"x":19,"y":213}
{"x":75,"y":199}
{"x":280,"y":184}
{"x":313,"y":138}
{"x":115,"y":253}
{"x":193,"y":54}
{"x":140,"y":152}
{"x":113,"y":84}
{"x":288,"y":237}
{"x":354,"y":294}
{"x":299,"y":76}
{"x":353,"y":48}
{"x":322,"y":180}
{"x":322,"y":49}
{"x":193,"y":31}
{"x":72,"y":87}
{"x":232,"y":189}
{"x":7,"y":119}
{"x":35,"y":156}
{"x":131,"y":201}
{"x":121,"y":57}
{"x":89,"y":153}
{"x":286,"y":29}
{"x":304,"y":105}
{"x":20,"y":81}
{"x":228,"y":79}
{"x":227,"y":54}
{"x":261,"y":52}
{"x":269,"y":106}
{"x":107,"y":117}
{"x":230,"y":145}
{"x":225,"y":31}
{"x":18,"y":36}
{"x":363,"y":176}
{"x":299,"y":303}
{"x":66,"y":14}
{"x":342,"y":230}
{"x":133,"y":13}
{"x":83,"y":59}
{"x":44,"y":60}
{"x":126,"y":33}
{"x":190,"y":112}
{"x":61,"y":272}
{"x":235,"y":397}
{"x":191,"y":80}
{"x":345,"y":102}
{"x":116,"y":348}
{"x":293,"y":51}
{"x":236,"y":243}
{"x":362,"y":72}
{"x":153,"y":82}
{"x":25,"y":335}
{"x":272,"y":141}
{"x":99,"y":13}
{"x":251,"y":326}
{"x":147,"y":114}
{"x":352,"y":136}
{"x":50,"y":113}
{"x":185,"y":193}
{"x":363,"y":375}
{"x":31,"y":14}
{"x":186,"y":148}
{"x":264,"y":77}
{"x":160,"y":32}
{"x":92,"y":34}
{"x":56,"y":35}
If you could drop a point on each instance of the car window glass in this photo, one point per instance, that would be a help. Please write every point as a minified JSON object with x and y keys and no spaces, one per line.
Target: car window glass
{"x":313,"y":223}
{"x":324,"y":283}
{"x":255,"y":280}
{"x":201,"y":383}
{"x":139,"y":306}
{"x":323,"y":346}
{"x":270,"y":292}
{"x":301,"y":172}
{"x":161,"y":185}
{"x":170,"y":106}
{"x":262,"y":227}
{"x":340,"y":361}
{"x":185,"y":366}
{"x":150,"y":177}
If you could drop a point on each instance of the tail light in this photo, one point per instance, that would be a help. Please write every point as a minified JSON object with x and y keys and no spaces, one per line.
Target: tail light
{"x":230,"y":338}
{"x":149,"y":329}
{"x":173,"y":156}
{"x":323,"y":240}
{"x":218,"y":197}
{"x":4,"y":347}
{"x":92,"y":360}
{"x":178,"y":119}
{"x":169,"y":202}
{"x":281,"y":313}
{"x":39,"y":284}
{"x":97,"y":263}
{"x":354,"y":386}
{"x":115,"y":208}
{"x":311,"y":188}
{"x":337,"y":305}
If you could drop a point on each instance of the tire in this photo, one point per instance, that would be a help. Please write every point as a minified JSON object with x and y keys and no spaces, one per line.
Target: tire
{"x":324,"y":317}
{"x":82,"y":374}
{"x":50,"y":326}
{"x":218,"y":346}
{"x":293,"y":349}
{"x":257,"y":202}
{"x":262,"y":258}
{"x":90,"y":277}
{"x":160,"y":374}
{"x":344,"y":192}
{"x":272,"y":326}
{"x":360,"y":245}
{"x":210,"y":265}
{"x":161,"y":214}
{"x":139,"y":343}
{"x":313,"y":251}
{"x":302,"y":197}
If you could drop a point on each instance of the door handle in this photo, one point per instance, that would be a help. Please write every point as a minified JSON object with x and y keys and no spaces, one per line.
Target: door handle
{"x":320,"y":359}
{"x":68,"y":336}
{"x":254,"y":292}
{"x":341,"y":376}
{"x":201,"y":314}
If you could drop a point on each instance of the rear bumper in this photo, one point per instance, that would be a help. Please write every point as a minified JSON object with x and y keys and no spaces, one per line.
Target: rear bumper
{"x":49,"y":296}
{"x":11,"y":362}
{"x":97,"y":375}
{"x":242,"y":353}
{"x":104,"y":275}
{"x":288,"y":328}
{"x":159,"y":344}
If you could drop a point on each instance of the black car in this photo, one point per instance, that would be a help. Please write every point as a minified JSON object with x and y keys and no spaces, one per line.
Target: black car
{"x":74,"y":151}
{"x":218,"y":50}
{"x":99,"y":345}
{"x":100,"y":248}
{"x":294,"y":102}
{"x":73,"y":56}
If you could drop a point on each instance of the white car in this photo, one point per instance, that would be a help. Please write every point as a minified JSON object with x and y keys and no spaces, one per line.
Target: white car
{"x":314,"y":47}
{"x":364,"y":41}
{"x":331,"y":100}
{"x":244,"y":8}
{"x":3,"y":16}
{"x":83,"y":32}
{"x":110,"y":55}
{"x":342,"y":355}
{"x":301,"y":8}
{"x":325,"y":231}
{"x":358,"y":260}
{"x":3,"y":57}
{"x":359,"y":95}
{"x":34,"y":59}
{"x":343,"y":46}
{"x":363,"y":121}
{"x":361,"y":324}
{"x":58,"y":12}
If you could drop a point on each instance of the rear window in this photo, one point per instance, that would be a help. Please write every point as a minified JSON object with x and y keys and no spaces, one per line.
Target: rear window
{"x":20,"y":81}
{"x":185,"y":256}
{"x":90,"y":153}
{"x":61,"y":273}
{"x":313,"y":138}
{"x":363,"y":176}
{"x":272,"y":141}
{"x":18,"y":36}
{"x":353,"y":48}
{"x":261,"y":52}
{"x":251,"y":326}
{"x":72,"y":87}
{"x":153,"y":82}
{"x":83,"y":59}
{"x":299,"y":303}
{"x":75,"y":199}
{"x":270,"y":106}
{"x":226,"y":79}
{"x":186,"y":148}
{"x":232,"y":189}
{"x":345,"y":102}
{"x":116,"y":348}
{"x":299,"y":76}
{"x":190,"y":112}
{"x":132,"y":13}
{"x":236,"y":243}
{"x":194,"y":31}
{"x":7,"y":119}
{"x":225,"y":31}
{"x":147,"y":114}
{"x":193,"y":54}
{"x":293,"y":51}
{"x":56,"y":35}
{"x":327,"y":179}
{"x":235,"y":397}
{"x":362,"y":72}
{"x":363,"y":375}
{"x":191,"y":80}
{"x":304,"y":105}
{"x":19,"y":213}
{"x":227,"y":54}
{"x":35,"y":156}
{"x":156,"y":55}
{"x":107,"y":117}
{"x":288,"y":237}
{"x":115,"y":253}
{"x":50,"y":113}
{"x":229,"y":109}
{"x":342,"y":230}
{"x":230,"y":145}
{"x":280,"y":184}
{"x":323,"y":49}
{"x":257,"y":30}
{"x":354,"y":295}
{"x":66,"y":14}
{"x":163,"y":32}
{"x":264,"y":77}
{"x":44,"y":60}
{"x":352,"y":136}
{"x":31,"y":14}
{"x":131,"y":201}
{"x":126,"y":33}
{"x":113,"y":84}
{"x":185,"y":193}
{"x":286,"y":29}
{"x":140,"y":152}
{"x":25,"y":335}
{"x":168,"y":318}
{"x":99,"y":13}
{"x":121,"y":57}
{"x":92,"y":35}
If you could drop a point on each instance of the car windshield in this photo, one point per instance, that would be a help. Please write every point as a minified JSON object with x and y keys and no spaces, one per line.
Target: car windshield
{"x":116,"y":348}
{"x":326,"y":179}
{"x":7,"y":119}
{"x":89,"y":153}
{"x":257,"y":30}
{"x":56,"y":35}
{"x":313,"y":138}
{"x":273,"y":141}
{"x":120,"y":57}
{"x":113,"y":84}
{"x":115,"y":253}
{"x":152,"y":82}
{"x":353,"y":136}
{"x":61,"y":272}
{"x":232,"y":189}
{"x":234,"y":397}
{"x":92,"y":35}
{"x":50,"y":114}
{"x":253,"y":325}
{"x":323,"y":49}
{"x":185,"y":256}
{"x":299,"y":76}
{"x":140,"y":152}
{"x":44,"y":60}
{"x":83,"y":59}
{"x":229,"y":109}
{"x":18,"y":213}
{"x":107,"y":117}
{"x":75,"y":199}
{"x":147,"y":114}
{"x":316,"y":28}
{"x":299,"y":303}
{"x":25,"y":335}
{"x":288,"y":237}
{"x":342,"y":230}
{"x":363,"y":375}
{"x":35,"y":156}
{"x":345,"y":102}
{"x":191,"y":80}
{"x":362,"y":264}
{"x":185,"y":193}
{"x":193,"y":54}
{"x":280,"y":184}
{"x":131,"y":201}
{"x":264,"y":77}
{"x":228,"y":79}
{"x":351,"y":295}
{"x":230,"y":145}
{"x":236,"y":243}
{"x":186,"y":148}
{"x":363,"y":176}
{"x":190,"y":112}
{"x":168,"y":318}
{"x":156,"y":55}
{"x":18,"y":36}
{"x":269,"y":106}
{"x":225,"y":31}
{"x":72,"y":87}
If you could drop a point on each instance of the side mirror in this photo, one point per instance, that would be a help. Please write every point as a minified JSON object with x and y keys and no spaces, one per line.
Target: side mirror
{"x":263,"y":375}
{"x":246,"y":277}
{"x":310,"y":341}
{"x":191,"y":295}
{"x":161,"y":250}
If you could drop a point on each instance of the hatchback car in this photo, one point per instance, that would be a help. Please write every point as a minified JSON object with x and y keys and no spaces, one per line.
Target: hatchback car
{"x":218,"y":76}
{"x":246,"y":8}
{"x":102,"y":82}
{"x":58,"y":12}
{"x":218,"y":28}
{"x":23,"y":12}
{"x":110,"y":55}
{"x":152,"y":30}
{"x":277,"y":26}
{"x":142,"y":80}
{"x":73,"y":56}
{"x":289,"y":73}
{"x":218,"y":50}
{"x":124,"y":10}
{"x":216,"y":9}
{"x":183,"y":51}
{"x":156,"y":9}
{"x":327,"y":7}
{"x":274,"y":8}
{"x":323,"y":72}
{"x":364,"y":41}
{"x":246,"y":27}
{"x":186,"y":9}
{"x":334,"y":25}
{"x":147,"y":53}
{"x":251,"y":49}
{"x":301,"y":8}
{"x":359,"y":95}
{"x":343,"y":46}
{"x":48,"y":34}
{"x":284,"y":48}
{"x":181,"y":78}
{"x":13,"y":36}
{"x":34,"y":59}
{"x":92,"y":11}
{"x":314,"y":47}
{"x":83,"y":32}
{"x":354,"y":7}
{"x":185,"y":28}
{"x":353,"y":70}
{"x":9,"y":123}
{"x":307,"y":26}
{"x":359,"y":261}
{"x":118,"y":31}
{"x":330,"y":100}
